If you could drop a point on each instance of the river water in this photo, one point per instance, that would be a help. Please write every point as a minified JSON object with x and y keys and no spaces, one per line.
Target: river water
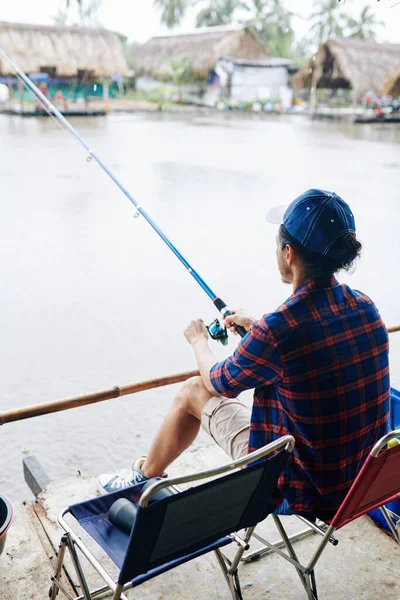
{"x":91,"y":298}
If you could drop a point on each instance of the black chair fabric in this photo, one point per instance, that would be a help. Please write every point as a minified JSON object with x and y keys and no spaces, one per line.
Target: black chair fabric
{"x":184,"y":523}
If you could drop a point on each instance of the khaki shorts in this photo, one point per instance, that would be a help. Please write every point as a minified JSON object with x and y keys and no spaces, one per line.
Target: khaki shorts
{"x":228,"y":423}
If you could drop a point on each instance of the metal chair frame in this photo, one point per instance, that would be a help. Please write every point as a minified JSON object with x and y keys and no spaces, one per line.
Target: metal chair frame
{"x":306,"y":572}
{"x":71,"y":541}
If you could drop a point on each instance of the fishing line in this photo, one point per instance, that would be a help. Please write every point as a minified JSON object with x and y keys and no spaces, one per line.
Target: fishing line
{"x":215,"y":330}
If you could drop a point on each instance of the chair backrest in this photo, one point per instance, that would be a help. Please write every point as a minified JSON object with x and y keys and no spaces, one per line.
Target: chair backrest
{"x":377,"y":483}
{"x":190,"y":520}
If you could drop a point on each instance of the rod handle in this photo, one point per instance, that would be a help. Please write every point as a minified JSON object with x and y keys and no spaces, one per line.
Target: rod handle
{"x":241,"y":330}
{"x":221,"y":306}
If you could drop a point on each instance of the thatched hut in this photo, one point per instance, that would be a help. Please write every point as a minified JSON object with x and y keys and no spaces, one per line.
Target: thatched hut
{"x":62,"y":51}
{"x":67,"y":63}
{"x":350,"y":64}
{"x":228,"y":61}
{"x":392,"y":85}
{"x":205,"y":46}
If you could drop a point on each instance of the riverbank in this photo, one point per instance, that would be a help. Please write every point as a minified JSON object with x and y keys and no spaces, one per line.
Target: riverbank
{"x":132,"y":106}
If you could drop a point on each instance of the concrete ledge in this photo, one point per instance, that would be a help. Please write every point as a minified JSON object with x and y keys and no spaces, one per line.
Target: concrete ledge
{"x":35,"y":475}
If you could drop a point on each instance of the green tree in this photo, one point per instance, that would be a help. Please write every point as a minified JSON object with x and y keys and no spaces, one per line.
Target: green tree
{"x":365,"y":27}
{"x":219,"y":12}
{"x":300,"y":53}
{"x":273,"y":25}
{"x":172,"y":11}
{"x":61,"y":17}
{"x":327,"y":21}
{"x":179,"y":71}
{"x":87,"y":11}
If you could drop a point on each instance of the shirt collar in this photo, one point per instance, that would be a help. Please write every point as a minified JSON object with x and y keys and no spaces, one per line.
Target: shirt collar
{"x":316,"y":284}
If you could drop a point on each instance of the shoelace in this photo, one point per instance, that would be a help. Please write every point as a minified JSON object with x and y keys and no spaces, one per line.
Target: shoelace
{"x":127,"y":480}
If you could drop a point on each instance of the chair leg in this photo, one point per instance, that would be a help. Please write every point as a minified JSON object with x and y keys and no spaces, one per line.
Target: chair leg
{"x":118,"y":591}
{"x":393,"y":528}
{"x":303,"y":576}
{"x":78,"y":568}
{"x":231,"y":577}
{"x":60,"y":560}
{"x":310,"y":585}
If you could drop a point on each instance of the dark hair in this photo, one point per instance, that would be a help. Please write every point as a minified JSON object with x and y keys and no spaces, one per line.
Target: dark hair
{"x":318,"y":265}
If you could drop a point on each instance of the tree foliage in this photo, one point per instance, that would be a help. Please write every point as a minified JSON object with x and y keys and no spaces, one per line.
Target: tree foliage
{"x":328,"y":20}
{"x":219,"y":12}
{"x":179,"y":71}
{"x":364,"y":28}
{"x":172,"y":11}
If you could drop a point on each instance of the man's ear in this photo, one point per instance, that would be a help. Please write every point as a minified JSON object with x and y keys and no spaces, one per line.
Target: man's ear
{"x":291,"y":254}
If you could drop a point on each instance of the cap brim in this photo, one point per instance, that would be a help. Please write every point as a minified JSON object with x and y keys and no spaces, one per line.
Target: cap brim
{"x":275,"y":214}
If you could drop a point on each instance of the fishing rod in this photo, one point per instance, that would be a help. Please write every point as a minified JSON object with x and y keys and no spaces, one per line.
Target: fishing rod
{"x":216,"y":331}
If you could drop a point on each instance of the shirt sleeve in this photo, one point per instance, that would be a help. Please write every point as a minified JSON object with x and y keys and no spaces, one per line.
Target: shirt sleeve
{"x":255,"y":362}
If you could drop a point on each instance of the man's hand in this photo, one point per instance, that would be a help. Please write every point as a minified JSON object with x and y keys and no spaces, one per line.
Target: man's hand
{"x":196,"y":331}
{"x":240,"y":318}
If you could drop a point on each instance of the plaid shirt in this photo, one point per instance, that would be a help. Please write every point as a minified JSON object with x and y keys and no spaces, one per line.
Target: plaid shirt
{"x":319,"y":366}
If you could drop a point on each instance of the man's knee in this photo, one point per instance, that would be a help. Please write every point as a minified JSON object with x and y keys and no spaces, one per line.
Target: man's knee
{"x":192,"y":396}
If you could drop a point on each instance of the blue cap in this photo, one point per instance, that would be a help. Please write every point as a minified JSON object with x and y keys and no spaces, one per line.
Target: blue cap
{"x":316,"y":219}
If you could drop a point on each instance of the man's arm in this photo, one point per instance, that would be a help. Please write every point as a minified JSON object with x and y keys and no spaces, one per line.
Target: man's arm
{"x":197,"y":335}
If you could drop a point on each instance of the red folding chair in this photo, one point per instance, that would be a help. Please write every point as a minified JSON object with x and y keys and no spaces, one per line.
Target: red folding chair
{"x":377,"y":483}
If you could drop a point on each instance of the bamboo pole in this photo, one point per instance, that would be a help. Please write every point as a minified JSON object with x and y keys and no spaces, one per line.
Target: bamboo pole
{"x":393,"y":329}
{"x":58,"y":405}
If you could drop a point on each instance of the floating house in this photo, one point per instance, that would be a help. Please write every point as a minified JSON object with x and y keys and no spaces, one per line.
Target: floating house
{"x":71,"y":64}
{"x":349,"y":64}
{"x":226,"y":62}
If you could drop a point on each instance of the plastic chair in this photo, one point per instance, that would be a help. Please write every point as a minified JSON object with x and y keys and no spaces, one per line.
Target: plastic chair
{"x":377,"y":483}
{"x":177,"y":528}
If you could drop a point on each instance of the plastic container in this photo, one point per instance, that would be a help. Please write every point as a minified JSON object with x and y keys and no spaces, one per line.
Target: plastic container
{"x":6,"y":517}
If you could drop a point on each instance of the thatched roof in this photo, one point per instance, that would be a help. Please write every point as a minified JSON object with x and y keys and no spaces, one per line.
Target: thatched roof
{"x":392,"y":85}
{"x":205,"y":45}
{"x":347,"y":63}
{"x":68,"y":49}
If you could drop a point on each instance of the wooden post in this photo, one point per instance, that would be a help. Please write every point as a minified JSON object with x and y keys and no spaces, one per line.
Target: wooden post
{"x":21,"y":94}
{"x":106,"y":95}
{"x":354,"y":95}
{"x":10,"y":92}
{"x":313,"y":91}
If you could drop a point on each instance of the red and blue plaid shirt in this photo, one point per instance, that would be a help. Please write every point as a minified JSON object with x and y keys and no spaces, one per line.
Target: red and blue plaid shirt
{"x":319,"y":366}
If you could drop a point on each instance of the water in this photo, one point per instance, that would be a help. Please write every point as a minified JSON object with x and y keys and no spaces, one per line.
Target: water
{"x":91,"y":298}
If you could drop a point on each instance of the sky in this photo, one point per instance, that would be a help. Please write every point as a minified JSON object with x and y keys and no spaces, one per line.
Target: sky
{"x":139,"y":21}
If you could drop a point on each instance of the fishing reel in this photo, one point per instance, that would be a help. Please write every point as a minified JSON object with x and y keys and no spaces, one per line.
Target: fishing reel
{"x":217,"y":332}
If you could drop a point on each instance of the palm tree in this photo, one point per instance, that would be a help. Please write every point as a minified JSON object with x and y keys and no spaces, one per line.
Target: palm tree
{"x":364,"y":27}
{"x":328,"y":21}
{"x":219,"y":12}
{"x":273,"y":25}
{"x":179,"y":70}
{"x":172,"y":11}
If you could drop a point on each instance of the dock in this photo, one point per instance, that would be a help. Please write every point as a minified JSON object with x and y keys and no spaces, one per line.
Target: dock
{"x":364,"y":565}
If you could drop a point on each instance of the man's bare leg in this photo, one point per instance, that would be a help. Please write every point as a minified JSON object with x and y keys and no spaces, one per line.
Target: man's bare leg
{"x":179,"y":429}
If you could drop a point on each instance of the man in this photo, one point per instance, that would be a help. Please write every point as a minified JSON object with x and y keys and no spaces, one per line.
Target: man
{"x":319,"y":366}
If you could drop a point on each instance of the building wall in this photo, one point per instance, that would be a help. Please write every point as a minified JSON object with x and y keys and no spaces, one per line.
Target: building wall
{"x":258,"y":83}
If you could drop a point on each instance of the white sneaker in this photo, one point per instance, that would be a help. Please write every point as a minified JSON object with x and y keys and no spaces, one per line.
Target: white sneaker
{"x":108,"y":482}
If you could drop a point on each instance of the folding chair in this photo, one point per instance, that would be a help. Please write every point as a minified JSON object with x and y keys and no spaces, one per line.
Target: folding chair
{"x":178,"y":528}
{"x":377,"y":483}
